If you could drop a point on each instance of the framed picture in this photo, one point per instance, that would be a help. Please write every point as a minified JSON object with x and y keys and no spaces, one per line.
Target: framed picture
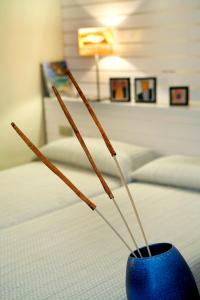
{"x":54,"y":73}
{"x":145,"y":90}
{"x":179,"y":95}
{"x":120,"y":90}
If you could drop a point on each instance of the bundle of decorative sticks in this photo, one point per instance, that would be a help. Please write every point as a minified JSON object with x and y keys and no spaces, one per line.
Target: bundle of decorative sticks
{"x":55,"y":170}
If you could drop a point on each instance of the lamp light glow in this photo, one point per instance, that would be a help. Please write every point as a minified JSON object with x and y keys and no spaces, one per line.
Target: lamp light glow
{"x":112,"y":20}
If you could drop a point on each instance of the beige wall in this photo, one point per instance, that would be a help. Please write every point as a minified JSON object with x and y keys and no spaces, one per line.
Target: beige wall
{"x":30,"y":32}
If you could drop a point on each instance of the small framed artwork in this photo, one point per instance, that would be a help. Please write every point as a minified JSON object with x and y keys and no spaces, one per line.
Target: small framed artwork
{"x":145,"y":90}
{"x":120,"y":90}
{"x":54,"y":73}
{"x":179,"y":95}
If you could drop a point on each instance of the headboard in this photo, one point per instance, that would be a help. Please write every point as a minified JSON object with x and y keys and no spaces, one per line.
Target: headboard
{"x":169,"y":130}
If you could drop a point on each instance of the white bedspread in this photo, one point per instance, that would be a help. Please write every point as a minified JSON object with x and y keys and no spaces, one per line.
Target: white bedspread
{"x":32,"y":190}
{"x":71,"y":254}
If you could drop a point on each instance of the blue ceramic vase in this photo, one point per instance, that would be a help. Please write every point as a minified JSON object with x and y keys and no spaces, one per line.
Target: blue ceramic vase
{"x":163,"y":276}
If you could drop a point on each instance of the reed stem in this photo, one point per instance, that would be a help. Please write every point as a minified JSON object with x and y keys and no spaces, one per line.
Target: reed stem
{"x":57,"y":172}
{"x":91,"y":160}
{"x":115,"y":231}
{"x":128,"y":228}
{"x":111,"y":150}
{"x":133,"y":204}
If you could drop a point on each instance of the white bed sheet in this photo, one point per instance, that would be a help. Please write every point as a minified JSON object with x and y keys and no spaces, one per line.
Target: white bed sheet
{"x":32,"y":190}
{"x":71,"y":254}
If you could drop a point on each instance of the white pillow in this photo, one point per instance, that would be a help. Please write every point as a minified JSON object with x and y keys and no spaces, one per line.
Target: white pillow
{"x":176,"y":170}
{"x":69,"y":151}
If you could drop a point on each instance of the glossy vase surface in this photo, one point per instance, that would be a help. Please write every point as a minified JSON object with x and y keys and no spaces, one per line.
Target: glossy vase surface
{"x":163,"y":276}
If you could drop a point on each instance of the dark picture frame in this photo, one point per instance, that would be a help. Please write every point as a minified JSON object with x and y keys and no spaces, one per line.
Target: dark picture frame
{"x":145,"y":89}
{"x":120,"y":89}
{"x":179,"y":95}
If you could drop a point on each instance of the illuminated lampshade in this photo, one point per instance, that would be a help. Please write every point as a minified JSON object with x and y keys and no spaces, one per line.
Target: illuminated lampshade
{"x":95,"y":41}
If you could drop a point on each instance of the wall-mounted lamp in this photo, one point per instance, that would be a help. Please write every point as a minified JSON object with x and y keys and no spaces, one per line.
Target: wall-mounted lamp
{"x":95,"y":42}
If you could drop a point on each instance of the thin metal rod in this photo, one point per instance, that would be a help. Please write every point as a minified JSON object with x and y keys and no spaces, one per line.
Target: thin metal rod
{"x":97,"y":77}
{"x":127,"y":226}
{"x":115,"y":231}
{"x":133,"y":204}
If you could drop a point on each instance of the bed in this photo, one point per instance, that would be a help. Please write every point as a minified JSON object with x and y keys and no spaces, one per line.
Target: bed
{"x":70,"y":253}
{"x":31,"y":190}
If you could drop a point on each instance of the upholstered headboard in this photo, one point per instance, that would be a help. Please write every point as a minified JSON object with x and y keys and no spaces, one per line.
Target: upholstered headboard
{"x":168,"y":130}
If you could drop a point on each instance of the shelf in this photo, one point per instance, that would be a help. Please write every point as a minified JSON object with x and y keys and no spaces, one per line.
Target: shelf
{"x":166,"y":129}
{"x":195,"y":105}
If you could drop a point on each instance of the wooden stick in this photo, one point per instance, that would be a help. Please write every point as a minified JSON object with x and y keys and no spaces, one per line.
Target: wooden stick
{"x":111,"y":150}
{"x":92,"y":113}
{"x":89,"y":156}
{"x":83,"y":145}
{"x":53,"y":168}
{"x":56,"y":171}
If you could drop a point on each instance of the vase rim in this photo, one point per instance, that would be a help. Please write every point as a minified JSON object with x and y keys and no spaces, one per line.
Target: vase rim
{"x":168,"y":246}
